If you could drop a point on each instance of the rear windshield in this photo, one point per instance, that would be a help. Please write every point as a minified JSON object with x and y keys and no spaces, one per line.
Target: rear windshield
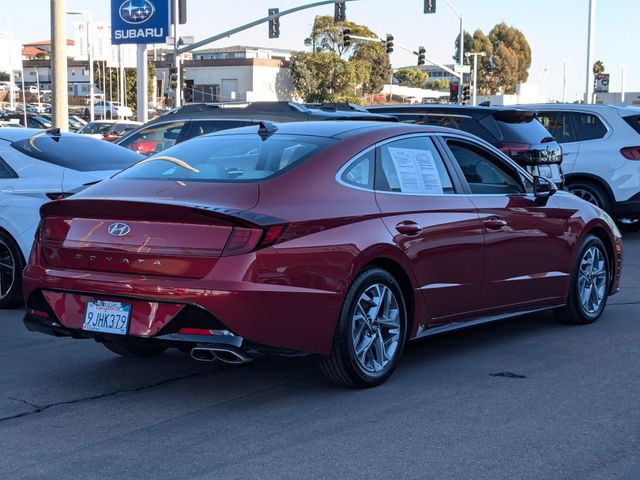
{"x":95,"y":127}
{"x":77,"y":152}
{"x":634,"y":121}
{"x":530,"y":131}
{"x":228,"y":158}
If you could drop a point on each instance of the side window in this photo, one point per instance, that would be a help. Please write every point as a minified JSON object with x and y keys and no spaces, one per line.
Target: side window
{"x":6,"y":171}
{"x":485,"y":173}
{"x":559,"y":125}
{"x":360,"y":172}
{"x":154,"y":138}
{"x":588,"y":127}
{"x":412,"y":165}
{"x":201,"y":127}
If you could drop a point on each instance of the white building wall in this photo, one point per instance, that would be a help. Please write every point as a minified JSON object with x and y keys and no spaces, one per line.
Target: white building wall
{"x":270,"y":84}
{"x":215,"y":76}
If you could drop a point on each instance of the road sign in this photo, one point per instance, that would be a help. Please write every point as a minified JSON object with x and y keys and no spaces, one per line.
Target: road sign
{"x":139,"y":21}
{"x":602,"y":83}
{"x":462,"y":68}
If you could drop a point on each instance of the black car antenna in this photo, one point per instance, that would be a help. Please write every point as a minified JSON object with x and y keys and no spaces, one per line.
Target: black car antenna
{"x":266,"y":129}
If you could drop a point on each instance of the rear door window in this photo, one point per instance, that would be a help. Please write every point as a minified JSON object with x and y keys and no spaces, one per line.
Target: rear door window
{"x":154,"y":138}
{"x":588,"y":126}
{"x":412,"y":166}
{"x":559,"y":124}
{"x":360,"y":172}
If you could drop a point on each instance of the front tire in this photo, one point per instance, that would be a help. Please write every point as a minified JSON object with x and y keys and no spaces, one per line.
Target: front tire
{"x":11,"y":266}
{"x":132,"y":350}
{"x":590,"y":281}
{"x":370,"y":334}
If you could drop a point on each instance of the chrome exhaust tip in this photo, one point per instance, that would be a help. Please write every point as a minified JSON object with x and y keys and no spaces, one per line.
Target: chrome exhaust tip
{"x":225,"y":355}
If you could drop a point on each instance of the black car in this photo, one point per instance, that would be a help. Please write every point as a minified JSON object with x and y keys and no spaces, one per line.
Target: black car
{"x":515,"y":131}
{"x":196,"y":119}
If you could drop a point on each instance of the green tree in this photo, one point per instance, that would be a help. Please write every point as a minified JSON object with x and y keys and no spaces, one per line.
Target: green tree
{"x":598,"y":67}
{"x":438,"y":84}
{"x":4,"y":76}
{"x":411,"y":77}
{"x":375,"y":59}
{"x":514,"y":39}
{"x":503,"y":75}
{"x":322,"y":76}
{"x":326,"y":34}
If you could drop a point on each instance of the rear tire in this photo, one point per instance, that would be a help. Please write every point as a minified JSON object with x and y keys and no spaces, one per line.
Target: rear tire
{"x":592,"y":193}
{"x":370,"y":334}
{"x":131,"y":350}
{"x":11,"y":266}
{"x":590,"y":282}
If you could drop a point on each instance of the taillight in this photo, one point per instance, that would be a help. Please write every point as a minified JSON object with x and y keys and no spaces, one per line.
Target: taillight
{"x":244,"y":240}
{"x":631,"y":153}
{"x":58,"y":195}
{"x":512,"y":149}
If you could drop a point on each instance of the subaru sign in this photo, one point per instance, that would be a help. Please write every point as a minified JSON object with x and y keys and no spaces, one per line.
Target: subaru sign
{"x":139,"y":21}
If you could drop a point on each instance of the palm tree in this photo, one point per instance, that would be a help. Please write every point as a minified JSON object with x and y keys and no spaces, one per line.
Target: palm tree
{"x":598,"y":67}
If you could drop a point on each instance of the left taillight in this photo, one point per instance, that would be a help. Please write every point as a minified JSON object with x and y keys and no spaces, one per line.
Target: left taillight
{"x":245,"y":240}
{"x":631,"y":153}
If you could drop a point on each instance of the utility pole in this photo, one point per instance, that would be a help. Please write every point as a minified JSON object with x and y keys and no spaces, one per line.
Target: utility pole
{"x":475,"y":73}
{"x":176,"y":55}
{"x":588,"y":96}
{"x":142,"y":84}
{"x":59,"y":65}
{"x":623,"y":73}
{"x":564,"y":80}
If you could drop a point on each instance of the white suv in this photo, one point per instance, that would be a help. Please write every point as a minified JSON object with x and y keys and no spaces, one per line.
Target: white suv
{"x":111,"y":110}
{"x":601,"y":153}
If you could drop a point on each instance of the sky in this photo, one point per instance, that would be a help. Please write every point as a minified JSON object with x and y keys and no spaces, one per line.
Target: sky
{"x":555,"y":29}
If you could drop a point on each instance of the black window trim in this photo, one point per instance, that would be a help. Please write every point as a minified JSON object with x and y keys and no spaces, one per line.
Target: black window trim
{"x":12,"y":172}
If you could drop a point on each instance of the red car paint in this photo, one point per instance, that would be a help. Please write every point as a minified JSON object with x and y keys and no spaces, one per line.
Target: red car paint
{"x":289,"y":294}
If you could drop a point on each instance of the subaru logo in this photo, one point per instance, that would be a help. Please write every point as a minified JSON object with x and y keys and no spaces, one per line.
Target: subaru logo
{"x":119,"y":229}
{"x":136,"y":12}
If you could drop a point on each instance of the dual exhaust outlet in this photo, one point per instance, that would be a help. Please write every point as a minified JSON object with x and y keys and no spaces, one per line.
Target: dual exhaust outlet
{"x":222,"y":354}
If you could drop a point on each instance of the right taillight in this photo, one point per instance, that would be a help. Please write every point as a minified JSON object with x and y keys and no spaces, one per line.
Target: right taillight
{"x":631,"y":153}
{"x":244,"y":240}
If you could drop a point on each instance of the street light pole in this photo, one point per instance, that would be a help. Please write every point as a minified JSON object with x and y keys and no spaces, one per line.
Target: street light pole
{"x":564,"y":80}
{"x":623,"y":73}
{"x":475,"y":56}
{"x":588,"y":96}
{"x":89,"y":14}
{"x":59,"y":65}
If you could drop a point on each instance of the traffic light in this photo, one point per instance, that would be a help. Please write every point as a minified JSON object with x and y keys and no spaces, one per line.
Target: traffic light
{"x":421,"y":55}
{"x":466,"y":93}
{"x":389,"y":43}
{"x":453,"y":93}
{"x":173,"y":78}
{"x":274,"y":24}
{"x":340,"y":12}
{"x":346,"y":38}
{"x":429,"y":6}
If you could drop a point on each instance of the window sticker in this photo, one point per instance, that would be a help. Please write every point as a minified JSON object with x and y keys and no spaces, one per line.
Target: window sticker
{"x":417,"y":171}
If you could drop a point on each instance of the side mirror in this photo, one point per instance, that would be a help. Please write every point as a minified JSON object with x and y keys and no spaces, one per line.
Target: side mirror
{"x":543,"y":188}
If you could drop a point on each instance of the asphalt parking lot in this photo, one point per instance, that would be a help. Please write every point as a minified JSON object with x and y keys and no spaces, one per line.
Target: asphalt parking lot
{"x":523,"y":399}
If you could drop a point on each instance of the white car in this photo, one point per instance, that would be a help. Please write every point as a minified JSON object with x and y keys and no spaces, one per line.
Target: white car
{"x":37,"y":166}
{"x":110,"y":109}
{"x":600,"y":153}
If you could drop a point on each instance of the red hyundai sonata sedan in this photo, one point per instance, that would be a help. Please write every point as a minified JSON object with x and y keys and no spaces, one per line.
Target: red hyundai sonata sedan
{"x":341,"y":239}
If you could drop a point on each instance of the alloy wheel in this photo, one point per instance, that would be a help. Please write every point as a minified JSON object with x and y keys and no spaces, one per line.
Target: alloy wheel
{"x":586,"y":195}
{"x":7,"y":270}
{"x":375,"y":328}
{"x":592,"y":279}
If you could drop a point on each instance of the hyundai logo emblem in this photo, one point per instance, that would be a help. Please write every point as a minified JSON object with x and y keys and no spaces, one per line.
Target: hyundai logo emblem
{"x":119,"y":229}
{"x":136,"y":12}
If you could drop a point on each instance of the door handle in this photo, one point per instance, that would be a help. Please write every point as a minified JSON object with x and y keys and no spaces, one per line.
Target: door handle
{"x":408,"y":228}
{"x":495,"y":223}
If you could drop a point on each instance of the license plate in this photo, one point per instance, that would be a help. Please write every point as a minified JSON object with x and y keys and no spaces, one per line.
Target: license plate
{"x":107,"y":317}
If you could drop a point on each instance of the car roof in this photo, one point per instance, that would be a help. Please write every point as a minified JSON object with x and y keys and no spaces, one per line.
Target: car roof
{"x":475,"y":112}
{"x":13,"y":134}
{"x":342,"y":128}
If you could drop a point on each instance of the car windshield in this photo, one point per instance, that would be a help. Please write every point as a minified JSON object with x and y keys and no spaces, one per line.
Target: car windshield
{"x":95,"y":128}
{"x":228,"y":158}
{"x":76,"y":152}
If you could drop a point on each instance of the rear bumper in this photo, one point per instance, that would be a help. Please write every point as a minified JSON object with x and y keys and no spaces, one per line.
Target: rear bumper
{"x":628,"y":208}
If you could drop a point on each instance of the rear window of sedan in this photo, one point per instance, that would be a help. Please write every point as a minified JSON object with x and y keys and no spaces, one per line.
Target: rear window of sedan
{"x":228,"y":158}
{"x":77,"y":152}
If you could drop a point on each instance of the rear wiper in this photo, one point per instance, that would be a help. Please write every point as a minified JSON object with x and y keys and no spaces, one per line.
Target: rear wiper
{"x":548,"y":139}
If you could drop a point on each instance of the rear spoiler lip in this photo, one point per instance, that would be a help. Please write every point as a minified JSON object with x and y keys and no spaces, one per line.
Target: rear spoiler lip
{"x":245,"y":218}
